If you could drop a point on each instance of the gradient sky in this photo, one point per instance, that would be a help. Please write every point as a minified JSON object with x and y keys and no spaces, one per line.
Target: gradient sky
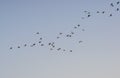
{"x":97,"y":57}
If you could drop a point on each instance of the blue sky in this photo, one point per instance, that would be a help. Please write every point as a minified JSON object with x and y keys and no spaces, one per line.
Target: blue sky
{"x":98,"y":56}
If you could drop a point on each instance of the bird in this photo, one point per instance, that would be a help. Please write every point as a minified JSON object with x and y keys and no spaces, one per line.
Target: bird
{"x":39,"y":42}
{"x":41,"y":38}
{"x":25,"y":45}
{"x":80,"y":41}
{"x":58,"y":49}
{"x":37,"y":33}
{"x":58,"y":37}
{"x":64,"y":50}
{"x":103,"y":12}
{"x":49,"y":43}
{"x":18,"y":46}
{"x":75,"y":27}
{"x":89,"y":15}
{"x":117,"y":9}
{"x":110,"y":15}
{"x":34,"y":44}
{"x":112,"y":4}
{"x":72,"y":32}
{"x":70,"y":50}
{"x":78,"y":25}
{"x":118,"y":2}
{"x":42,"y":44}
{"x":98,"y":12}
{"x":60,"y":33}
{"x":11,"y":47}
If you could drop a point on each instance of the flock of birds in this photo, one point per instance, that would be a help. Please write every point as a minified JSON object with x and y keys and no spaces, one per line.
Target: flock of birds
{"x":52,"y":45}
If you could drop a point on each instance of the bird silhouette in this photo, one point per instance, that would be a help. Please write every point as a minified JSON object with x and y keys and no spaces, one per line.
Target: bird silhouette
{"x":117,"y":9}
{"x":11,"y":47}
{"x":98,"y":12}
{"x":78,"y":25}
{"x":70,"y":50}
{"x":110,"y":15}
{"x":103,"y":12}
{"x":25,"y":45}
{"x":118,"y":2}
{"x":18,"y":46}
{"x":112,"y":4}
{"x":37,"y":33}
{"x":39,"y":42}
{"x":42,"y":44}
{"x":89,"y":15}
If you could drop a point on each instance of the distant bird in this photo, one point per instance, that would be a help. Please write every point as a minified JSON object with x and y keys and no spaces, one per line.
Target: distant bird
{"x":117,"y":9}
{"x":37,"y":33}
{"x":40,"y":38}
{"x":11,"y":47}
{"x":98,"y":12}
{"x":78,"y":25}
{"x":60,"y":33}
{"x":75,"y":27}
{"x":80,"y":41}
{"x":42,"y":44}
{"x":85,"y":11}
{"x":18,"y":46}
{"x":25,"y":45}
{"x":72,"y":32}
{"x":70,"y":50}
{"x":88,"y":12}
{"x":58,"y":37}
{"x":68,"y":35}
{"x":110,"y":15}
{"x":103,"y":12}
{"x":34,"y":44}
{"x":39,"y":42}
{"x":112,"y":4}
{"x":49,"y":43}
{"x":118,"y":2}
{"x":89,"y":15}
{"x":64,"y":50}
{"x":53,"y":46}
{"x":58,"y":49}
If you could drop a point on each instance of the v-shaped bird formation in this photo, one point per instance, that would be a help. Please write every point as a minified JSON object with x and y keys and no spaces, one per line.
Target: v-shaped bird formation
{"x":52,"y":45}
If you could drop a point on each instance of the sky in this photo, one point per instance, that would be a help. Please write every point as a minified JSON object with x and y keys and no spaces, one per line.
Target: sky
{"x":98,"y":56}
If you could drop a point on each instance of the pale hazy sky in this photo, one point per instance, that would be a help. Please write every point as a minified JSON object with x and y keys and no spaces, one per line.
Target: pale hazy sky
{"x":97,"y":57}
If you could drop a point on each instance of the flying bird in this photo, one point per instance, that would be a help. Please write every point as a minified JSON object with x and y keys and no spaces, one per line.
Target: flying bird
{"x":78,"y":25}
{"x":58,"y":49}
{"x":118,"y":2}
{"x":18,"y":46}
{"x":103,"y":12}
{"x":112,"y":4}
{"x":98,"y":12}
{"x":40,"y":38}
{"x":70,"y":50}
{"x":89,"y":15}
{"x":80,"y":41}
{"x":117,"y":9}
{"x":42,"y":44}
{"x":60,"y":33}
{"x":11,"y":47}
{"x":37,"y":33}
{"x":25,"y":45}
{"x":39,"y":42}
{"x":110,"y":15}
